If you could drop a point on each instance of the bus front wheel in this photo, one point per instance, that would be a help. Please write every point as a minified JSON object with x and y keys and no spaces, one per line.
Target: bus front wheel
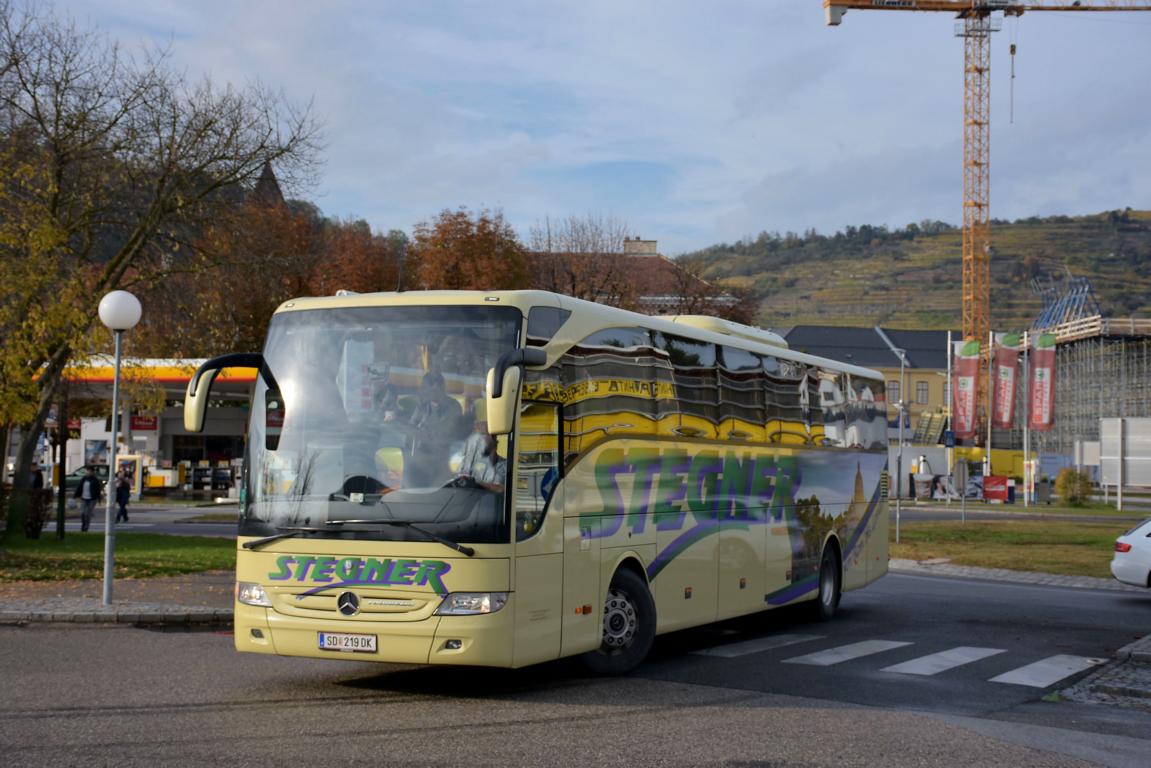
{"x":830,"y":586}
{"x":628,"y":626}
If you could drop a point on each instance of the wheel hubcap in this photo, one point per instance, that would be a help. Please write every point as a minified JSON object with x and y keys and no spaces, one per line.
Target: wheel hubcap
{"x":827,"y":583}
{"x":619,"y":620}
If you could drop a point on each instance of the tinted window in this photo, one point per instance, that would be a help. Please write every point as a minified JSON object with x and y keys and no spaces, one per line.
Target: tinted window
{"x":787,"y":393}
{"x":695,"y":379}
{"x":543,"y":322}
{"x":608,"y":384}
{"x":741,"y":394}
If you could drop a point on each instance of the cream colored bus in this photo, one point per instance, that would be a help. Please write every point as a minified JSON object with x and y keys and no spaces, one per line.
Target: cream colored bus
{"x":506,"y":478}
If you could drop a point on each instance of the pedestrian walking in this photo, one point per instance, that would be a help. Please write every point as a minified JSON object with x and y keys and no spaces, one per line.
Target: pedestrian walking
{"x":88,"y":492}
{"x":123,"y":494}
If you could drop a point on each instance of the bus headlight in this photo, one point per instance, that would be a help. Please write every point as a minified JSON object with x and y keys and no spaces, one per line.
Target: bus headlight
{"x":250,"y":593}
{"x":469,"y":603}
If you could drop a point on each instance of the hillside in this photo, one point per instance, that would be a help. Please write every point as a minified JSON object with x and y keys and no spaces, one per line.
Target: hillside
{"x":912,"y":277}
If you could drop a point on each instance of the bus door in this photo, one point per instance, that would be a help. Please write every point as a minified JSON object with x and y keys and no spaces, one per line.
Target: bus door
{"x":539,"y":532}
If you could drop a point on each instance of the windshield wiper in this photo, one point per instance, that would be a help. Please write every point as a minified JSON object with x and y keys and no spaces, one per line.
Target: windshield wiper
{"x":284,"y":534}
{"x":463,"y":548}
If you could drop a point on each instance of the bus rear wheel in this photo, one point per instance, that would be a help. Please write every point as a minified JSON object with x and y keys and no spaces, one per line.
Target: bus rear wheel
{"x":628,"y":626}
{"x":830,"y":586}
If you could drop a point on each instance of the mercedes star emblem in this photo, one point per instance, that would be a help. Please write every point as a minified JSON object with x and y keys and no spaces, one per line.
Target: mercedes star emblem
{"x":348,"y":604}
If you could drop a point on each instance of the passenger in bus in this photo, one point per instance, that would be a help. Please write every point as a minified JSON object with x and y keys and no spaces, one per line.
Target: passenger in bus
{"x":482,"y":466}
{"x":437,"y":423}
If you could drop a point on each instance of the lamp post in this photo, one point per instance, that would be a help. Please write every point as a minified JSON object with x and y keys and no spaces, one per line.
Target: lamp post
{"x":119,"y":312}
{"x":899,"y":459}
{"x":900,"y":406}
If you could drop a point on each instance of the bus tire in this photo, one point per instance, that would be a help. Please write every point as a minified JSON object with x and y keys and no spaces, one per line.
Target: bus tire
{"x":628,"y":626}
{"x":830,"y":585}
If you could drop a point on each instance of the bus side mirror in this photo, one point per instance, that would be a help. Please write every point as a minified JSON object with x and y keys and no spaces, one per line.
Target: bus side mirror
{"x":200,"y":385}
{"x":273,"y":419}
{"x":501,"y":408}
{"x":503,"y":387}
{"x":196,"y":399}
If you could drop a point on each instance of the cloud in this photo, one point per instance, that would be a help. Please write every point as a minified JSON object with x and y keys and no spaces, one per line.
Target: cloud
{"x":693,"y":124}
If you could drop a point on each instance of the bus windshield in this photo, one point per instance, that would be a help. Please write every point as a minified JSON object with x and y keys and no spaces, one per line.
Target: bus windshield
{"x":377,"y":418}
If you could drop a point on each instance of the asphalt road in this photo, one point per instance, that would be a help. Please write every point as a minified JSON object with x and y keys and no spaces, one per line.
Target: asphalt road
{"x":171,"y":521}
{"x":735,"y":694}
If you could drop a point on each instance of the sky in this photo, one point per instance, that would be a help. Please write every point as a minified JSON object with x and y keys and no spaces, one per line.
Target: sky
{"x":691,"y":123}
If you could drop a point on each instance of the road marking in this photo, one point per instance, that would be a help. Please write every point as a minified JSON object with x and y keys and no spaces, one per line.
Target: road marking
{"x":943,"y":661}
{"x":1048,"y":671}
{"x":733,"y":650}
{"x":846,"y":652}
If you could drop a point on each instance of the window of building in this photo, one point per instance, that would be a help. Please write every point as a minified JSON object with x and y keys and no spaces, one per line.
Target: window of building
{"x":921,"y":392}
{"x":893,"y":392}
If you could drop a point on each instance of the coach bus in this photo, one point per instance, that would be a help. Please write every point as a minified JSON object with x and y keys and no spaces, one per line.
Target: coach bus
{"x":505,"y":478}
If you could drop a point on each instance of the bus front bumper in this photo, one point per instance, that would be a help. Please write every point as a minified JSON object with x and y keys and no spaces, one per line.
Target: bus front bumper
{"x":477,"y":640}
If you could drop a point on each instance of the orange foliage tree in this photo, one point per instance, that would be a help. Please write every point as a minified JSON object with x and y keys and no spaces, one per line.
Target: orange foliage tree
{"x":458,"y":251}
{"x":354,"y":258}
{"x":235,"y":274}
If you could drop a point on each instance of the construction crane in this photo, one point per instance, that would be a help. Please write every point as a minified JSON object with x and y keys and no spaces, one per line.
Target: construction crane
{"x":975,"y":28}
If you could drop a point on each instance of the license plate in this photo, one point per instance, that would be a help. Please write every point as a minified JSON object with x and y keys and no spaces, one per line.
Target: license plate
{"x":342,"y":641}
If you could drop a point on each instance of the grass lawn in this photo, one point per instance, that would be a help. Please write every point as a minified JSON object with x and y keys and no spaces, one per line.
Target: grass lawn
{"x":138,"y":555}
{"x":1046,"y":546}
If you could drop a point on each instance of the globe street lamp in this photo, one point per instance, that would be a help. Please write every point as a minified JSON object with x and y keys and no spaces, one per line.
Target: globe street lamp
{"x":119,"y":311}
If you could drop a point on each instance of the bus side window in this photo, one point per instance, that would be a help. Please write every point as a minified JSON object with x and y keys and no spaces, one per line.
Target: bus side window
{"x":608,"y":380}
{"x":741,"y":394}
{"x":695,"y":377}
{"x":785,"y":413}
{"x":538,"y":469}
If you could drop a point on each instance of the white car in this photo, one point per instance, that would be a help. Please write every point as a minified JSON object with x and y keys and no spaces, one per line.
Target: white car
{"x":1132,"y":561}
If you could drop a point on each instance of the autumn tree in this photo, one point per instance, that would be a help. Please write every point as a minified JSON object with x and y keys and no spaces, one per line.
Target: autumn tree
{"x":581,"y":257}
{"x":244,"y":264}
{"x":252,"y":259}
{"x":109,"y":164}
{"x":459,"y":251}
{"x":356,"y":259}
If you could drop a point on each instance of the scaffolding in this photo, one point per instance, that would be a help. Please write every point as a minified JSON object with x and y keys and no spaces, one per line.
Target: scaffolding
{"x":1102,"y":370}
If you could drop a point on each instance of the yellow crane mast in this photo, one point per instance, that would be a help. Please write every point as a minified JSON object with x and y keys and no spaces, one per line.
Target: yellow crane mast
{"x":975,"y":28}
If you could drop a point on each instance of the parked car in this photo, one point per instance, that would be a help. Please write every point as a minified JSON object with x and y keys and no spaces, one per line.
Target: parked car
{"x":72,"y":479}
{"x":1132,"y":561}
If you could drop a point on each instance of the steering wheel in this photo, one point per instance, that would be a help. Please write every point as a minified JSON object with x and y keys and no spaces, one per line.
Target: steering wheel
{"x":463,"y":481}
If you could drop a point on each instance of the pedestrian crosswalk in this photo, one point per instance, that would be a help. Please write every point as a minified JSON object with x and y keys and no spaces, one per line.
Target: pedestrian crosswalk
{"x":846,"y":652}
{"x":935,"y":663}
{"x":1047,"y":671}
{"x":1033,"y":673}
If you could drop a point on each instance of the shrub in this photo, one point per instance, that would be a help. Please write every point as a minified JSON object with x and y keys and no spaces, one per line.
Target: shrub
{"x":1072,"y":486}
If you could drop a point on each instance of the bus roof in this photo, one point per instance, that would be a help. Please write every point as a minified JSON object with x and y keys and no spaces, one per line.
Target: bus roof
{"x":587,"y":317}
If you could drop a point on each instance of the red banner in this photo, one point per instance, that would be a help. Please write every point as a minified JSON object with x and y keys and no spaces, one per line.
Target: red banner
{"x":144,"y":423}
{"x":1003,"y":392}
{"x":995,"y":488}
{"x":1043,"y":383}
{"x":965,"y":385}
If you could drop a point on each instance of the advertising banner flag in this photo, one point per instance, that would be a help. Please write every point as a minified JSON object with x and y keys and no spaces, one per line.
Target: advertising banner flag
{"x":964,"y":385}
{"x":1003,"y":387}
{"x":1043,"y":383}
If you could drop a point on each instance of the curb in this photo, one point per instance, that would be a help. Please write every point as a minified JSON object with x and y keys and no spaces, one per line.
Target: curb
{"x":1138,"y":651}
{"x":945,"y":568}
{"x":128,"y":613}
